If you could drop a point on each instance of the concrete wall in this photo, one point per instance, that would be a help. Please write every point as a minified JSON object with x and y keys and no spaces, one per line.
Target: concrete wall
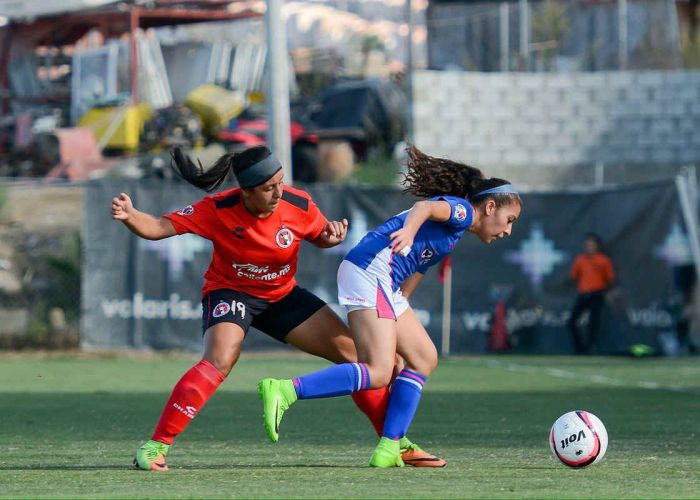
{"x":640,"y":125}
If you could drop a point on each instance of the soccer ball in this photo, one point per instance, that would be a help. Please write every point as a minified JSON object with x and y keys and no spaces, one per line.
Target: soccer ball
{"x":578,"y":439}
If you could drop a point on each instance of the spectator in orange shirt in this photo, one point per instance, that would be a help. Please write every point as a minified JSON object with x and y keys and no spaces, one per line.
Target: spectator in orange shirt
{"x":593,"y":273}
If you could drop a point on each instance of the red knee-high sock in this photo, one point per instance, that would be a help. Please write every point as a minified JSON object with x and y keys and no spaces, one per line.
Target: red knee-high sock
{"x":188,"y":397}
{"x":373,"y":403}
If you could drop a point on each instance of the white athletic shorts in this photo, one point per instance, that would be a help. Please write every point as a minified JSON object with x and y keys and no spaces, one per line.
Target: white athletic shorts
{"x":370,"y":288}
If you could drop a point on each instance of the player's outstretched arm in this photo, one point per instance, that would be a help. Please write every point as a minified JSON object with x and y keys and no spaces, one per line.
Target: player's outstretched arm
{"x":333,"y":234}
{"x":140,"y":223}
{"x":439,"y":211}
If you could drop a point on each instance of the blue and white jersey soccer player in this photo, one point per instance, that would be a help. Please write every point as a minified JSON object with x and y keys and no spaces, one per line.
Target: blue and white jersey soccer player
{"x":375,"y":281}
{"x":372,"y":273}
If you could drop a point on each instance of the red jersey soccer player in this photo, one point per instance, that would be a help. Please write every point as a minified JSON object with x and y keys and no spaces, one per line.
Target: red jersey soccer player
{"x":256,"y":231}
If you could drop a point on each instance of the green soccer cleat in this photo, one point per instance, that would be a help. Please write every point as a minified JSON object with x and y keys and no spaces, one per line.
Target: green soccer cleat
{"x":151,"y":456}
{"x":387,"y":454}
{"x":277,"y":396}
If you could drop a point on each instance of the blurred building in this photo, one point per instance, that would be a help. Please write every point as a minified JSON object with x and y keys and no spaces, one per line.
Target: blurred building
{"x":559,"y":93}
{"x":555,"y":35}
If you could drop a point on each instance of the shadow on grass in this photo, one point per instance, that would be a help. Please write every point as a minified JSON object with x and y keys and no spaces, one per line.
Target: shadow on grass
{"x":61,"y":424}
{"x":235,"y":466}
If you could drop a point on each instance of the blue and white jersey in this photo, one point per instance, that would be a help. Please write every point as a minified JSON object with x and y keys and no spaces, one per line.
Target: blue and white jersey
{"x":433,"y":241}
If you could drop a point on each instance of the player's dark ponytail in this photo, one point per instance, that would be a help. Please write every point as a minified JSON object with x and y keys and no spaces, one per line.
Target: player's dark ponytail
{"x":196,"y":175}
{"x":211,"y":178}
{"x":428,"y":176}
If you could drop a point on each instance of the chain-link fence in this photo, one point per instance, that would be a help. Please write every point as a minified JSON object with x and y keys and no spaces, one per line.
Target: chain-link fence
{"x":554,"y":35}
{"x":40,"y":257}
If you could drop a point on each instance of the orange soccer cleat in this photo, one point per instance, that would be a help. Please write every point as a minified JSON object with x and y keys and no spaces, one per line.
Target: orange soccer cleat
{"x":413,"y":455}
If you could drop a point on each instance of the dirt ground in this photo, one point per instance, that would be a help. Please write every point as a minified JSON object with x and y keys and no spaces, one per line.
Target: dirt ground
{"x":49,"y":209}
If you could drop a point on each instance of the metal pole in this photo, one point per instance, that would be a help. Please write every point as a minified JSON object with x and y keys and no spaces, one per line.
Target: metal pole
{"x":690,"y":220}
{"x":622,"y":32}
{"x":525,"y":35}
{"x":691,"y":173}
{"x":599,"y":174}
{"x":4,"y":70}
{"x":278,"y":138}
{"x":446,"y":311}
{"x":505,"y":36}
{"x":409,"y":71}
{"x":134,"y":63}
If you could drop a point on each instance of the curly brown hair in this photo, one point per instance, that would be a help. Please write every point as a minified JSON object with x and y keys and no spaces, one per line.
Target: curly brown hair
{"x":428,"y":176}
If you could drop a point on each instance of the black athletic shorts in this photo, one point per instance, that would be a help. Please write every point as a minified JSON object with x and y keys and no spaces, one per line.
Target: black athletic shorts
{"x":275,"y":319}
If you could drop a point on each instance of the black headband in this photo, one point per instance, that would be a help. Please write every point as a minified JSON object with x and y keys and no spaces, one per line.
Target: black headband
{"x":258,"y":172}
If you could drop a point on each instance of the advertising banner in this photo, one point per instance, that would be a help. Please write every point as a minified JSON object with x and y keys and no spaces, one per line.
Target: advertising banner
{"x":146,"y":294}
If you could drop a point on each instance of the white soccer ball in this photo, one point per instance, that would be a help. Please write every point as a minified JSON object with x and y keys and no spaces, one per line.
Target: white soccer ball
{"x":578,"y":439}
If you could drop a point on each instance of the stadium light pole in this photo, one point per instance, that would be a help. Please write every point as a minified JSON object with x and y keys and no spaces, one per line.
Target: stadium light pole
{"x":277,"y":98}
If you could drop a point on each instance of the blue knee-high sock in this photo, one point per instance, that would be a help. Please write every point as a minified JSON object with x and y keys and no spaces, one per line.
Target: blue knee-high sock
{"x":336,"y":380}
{"x":403,"y":401}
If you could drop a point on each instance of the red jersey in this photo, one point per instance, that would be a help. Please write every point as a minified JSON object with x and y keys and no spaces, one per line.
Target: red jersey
{"x":257,"y":256}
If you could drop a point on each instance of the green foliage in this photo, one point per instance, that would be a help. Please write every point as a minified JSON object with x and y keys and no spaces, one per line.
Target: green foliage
{"x":371,"y":42}
{"x":650,"y":54}
{"x":550,"y":23}
{"x":55,"y":273}
{"x":690,"y":49}
{"x":64,"y":275}
{"x":71,"y":426}
{"x":376,"y":172}
{"x":4,"y":195}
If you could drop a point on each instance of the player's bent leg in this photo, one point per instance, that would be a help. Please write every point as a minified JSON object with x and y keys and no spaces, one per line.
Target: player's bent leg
{"x":387,"y":454}
{"x":325,"y":335}
{"x":277,"y":396}
{"x":413,"y":455}
{"x":151,"y":456}
{"x":420,"y":355}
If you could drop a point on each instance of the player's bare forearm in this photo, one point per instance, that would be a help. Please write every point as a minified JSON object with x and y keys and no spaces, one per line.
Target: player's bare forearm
{"x":149,"y":227}
{"x":422,"y":211}
{"x":322,"y":243}
{"x":419,"y":213}
{"x":410,"y":284}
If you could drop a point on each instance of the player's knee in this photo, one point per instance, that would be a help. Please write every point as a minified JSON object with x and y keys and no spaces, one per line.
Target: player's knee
{"x":431,"y":361}
{"x":380,"y":376}
{"x":222,"y":363}
{"x":425,"y":362}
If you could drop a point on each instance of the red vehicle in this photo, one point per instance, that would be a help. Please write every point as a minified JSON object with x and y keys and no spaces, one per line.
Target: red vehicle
{"x":243,"y":133}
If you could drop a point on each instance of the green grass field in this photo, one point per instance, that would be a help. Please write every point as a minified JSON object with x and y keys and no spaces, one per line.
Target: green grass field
{"x":69,"y":427}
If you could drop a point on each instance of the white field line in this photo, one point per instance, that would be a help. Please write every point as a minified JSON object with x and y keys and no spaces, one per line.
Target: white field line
{"x":598,"y":379}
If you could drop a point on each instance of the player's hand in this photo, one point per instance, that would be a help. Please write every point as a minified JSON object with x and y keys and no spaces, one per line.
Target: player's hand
{"x":335,"y":232}
{"x":122,"y":207}
{"x":401,"y":240}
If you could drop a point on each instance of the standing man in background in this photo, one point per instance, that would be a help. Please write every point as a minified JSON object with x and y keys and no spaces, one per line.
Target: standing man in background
{"x":593,"y":273}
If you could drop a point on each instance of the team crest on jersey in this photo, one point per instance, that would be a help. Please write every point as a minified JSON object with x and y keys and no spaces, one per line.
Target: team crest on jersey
{"x":221,"y":309}
{"x":284,"y":238}
{"x":460,"y":212}
{"x":426,"y":254}
{"x":188,"y":210}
